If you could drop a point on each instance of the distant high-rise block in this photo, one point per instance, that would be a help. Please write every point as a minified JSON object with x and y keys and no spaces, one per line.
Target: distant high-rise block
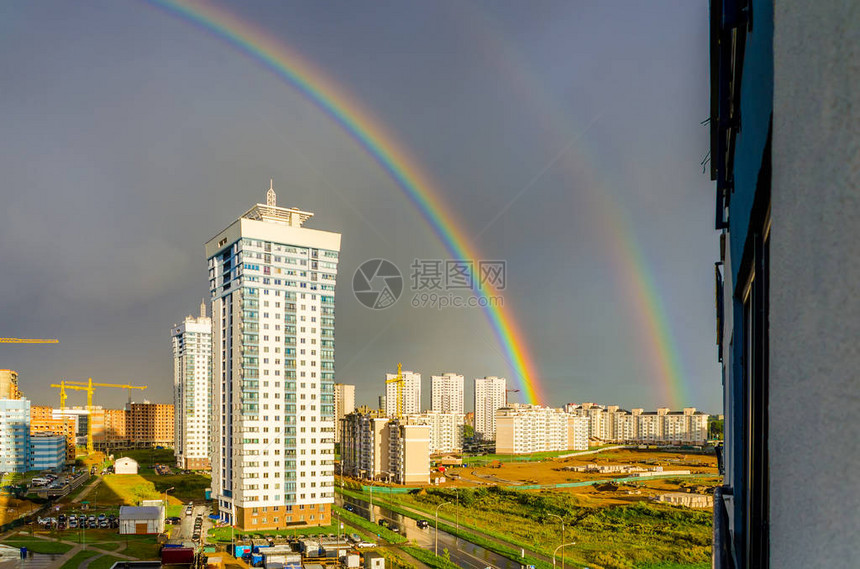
{"x":489,"y":396}
{"x":192,"y":391}
{"x":272,"y":283}
{"x":9,"y":384}
{"x":344,"y":403}
{"x":410,"y":395}
{"x":446,"y":393}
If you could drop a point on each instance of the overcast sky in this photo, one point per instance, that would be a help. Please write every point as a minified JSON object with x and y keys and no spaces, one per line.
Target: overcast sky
{"x":129,"y":137}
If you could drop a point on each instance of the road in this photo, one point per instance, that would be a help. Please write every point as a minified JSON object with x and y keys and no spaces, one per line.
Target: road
{"x":463,"y":553}
{"x":186,"y":527}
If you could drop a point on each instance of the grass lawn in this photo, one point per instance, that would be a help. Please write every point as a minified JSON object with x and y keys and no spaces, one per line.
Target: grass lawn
{"x":77,"y":558}
{"x":174,"y":510}
{"x":104,"y":562}
{"x":375,"y":529}
{"x":147,"y":485}
{"x":429,"y":558}
{"x":223,"y":535}
{"x":642,"y":535}
{"x":37,"y":545}
{"x":141,"y":549}
{"x":140,"y":546}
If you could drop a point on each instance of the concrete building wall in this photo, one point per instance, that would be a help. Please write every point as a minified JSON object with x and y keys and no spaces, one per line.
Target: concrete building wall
{"x":272,"y":283}
{"x":490,"y":395}
{"x":9,"y":384}
{"x":14,"y":435}
{"x":411,"y":394}
{"x":815,"y":305}
{"x":192,"y":391}
{"x":47,"y":452}
{"x":446,"y":393}
{"x":344,"y":403}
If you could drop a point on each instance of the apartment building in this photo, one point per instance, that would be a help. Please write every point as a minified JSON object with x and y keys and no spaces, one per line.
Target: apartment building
{"x":46,"y":420}
{"x":611,"y":424}
{"x":410,"y":394}
{"x":47,"y":451}
{"x":409,"y":452}
{"x":446,"y":393}
{"x":14,"y":435}
{"x":192,"y":391}
{"x":9,"y":384}
{"x":377,"y":447}
{"x":151,"y":424}
{"x":272,"y":284}
{"x":524,"y":429}
{"x":364,"y":444}
{"x":577,"y":432}
{"x":490,"y":395}
{"x":446,"y":430}
{"x":344,"y":403}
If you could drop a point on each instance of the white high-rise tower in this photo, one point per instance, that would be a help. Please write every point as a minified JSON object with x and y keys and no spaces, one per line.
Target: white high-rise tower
{"x":489,"y":396}
{"x":272,"y":283}
{"x":411,"y":394}
{"x":446,"y":393}
{"x":192,"y":391}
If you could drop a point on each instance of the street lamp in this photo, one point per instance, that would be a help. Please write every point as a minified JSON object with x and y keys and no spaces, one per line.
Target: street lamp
{"x":562,"y":535}
{"x":436,"y":547}
{"x":559,"y":547}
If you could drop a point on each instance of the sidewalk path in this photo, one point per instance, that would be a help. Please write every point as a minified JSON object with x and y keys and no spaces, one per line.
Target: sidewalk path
{"x":87,"y":490}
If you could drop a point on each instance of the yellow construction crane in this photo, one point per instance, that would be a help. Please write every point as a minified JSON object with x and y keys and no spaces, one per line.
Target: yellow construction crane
{"x":398,"y":382}
{"x":28,"y":341}
{"x":89,"y":387}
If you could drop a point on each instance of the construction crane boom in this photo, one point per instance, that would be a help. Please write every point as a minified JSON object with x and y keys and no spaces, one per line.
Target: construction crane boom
{"x":29,"y":341}
{"x":89,"y":386}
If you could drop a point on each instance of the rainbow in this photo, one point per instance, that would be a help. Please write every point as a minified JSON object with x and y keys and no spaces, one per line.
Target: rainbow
{"x":659,"y":346}
{"x":384,"y":148}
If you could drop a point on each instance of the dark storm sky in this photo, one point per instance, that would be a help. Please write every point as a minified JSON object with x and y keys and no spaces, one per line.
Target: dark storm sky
{"x":128,"y":137}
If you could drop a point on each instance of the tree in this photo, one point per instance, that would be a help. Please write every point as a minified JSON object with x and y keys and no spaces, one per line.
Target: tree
{"x":715,"y":428}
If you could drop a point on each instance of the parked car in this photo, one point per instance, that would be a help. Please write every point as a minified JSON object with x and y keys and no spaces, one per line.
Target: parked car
{"x":73,"y":523}
{"x":366,"y":544}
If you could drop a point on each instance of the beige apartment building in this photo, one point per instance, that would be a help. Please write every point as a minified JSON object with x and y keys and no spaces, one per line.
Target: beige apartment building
{"x":446,"y":430}
{"x":615,"y":425}
{"x":376,"y":447}
{"x":9,"y":384}
{"x":524,"y":429}
{"x":344,"y":403}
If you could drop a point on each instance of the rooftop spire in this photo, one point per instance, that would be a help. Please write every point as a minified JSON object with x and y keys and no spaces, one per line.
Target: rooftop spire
{"x":202,"y":308}
{"x":271,"y":198}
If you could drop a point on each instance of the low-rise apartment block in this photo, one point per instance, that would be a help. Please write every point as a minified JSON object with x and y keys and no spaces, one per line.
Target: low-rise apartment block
{"x":524,"y":429}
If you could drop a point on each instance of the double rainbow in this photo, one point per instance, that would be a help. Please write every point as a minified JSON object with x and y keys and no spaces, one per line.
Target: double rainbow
{"x":383,"y":147}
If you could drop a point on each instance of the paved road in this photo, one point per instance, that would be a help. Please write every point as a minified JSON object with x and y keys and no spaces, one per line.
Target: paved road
{"x":463,"y":553}
{"x":186,"y":528}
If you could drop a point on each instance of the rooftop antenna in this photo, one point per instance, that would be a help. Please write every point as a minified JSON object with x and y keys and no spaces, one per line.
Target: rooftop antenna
{"x":271,"y":198}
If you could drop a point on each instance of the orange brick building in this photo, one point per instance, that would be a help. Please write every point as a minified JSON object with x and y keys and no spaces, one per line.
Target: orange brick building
{"x":42,"y":420}
{"x":151,"y":424}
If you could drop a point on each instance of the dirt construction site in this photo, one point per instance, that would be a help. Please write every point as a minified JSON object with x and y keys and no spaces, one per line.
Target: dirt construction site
{"x":645,"y":474}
